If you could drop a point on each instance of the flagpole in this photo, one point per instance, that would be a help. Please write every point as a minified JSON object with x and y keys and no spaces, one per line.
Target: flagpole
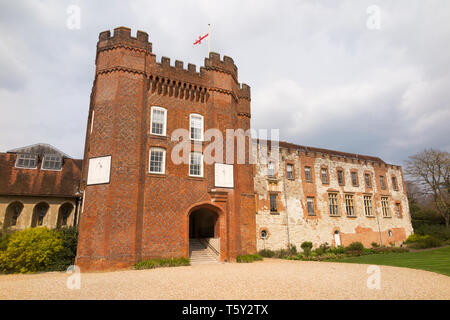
{"x":209,"y":38}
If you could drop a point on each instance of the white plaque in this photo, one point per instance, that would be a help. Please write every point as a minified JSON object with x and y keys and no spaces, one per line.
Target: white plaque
{"x":223,"y":174}
{"x":99,"y":170}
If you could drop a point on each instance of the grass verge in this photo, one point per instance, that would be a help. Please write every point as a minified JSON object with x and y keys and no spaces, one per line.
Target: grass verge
{"x":437,"y":260}
{"x":247,"y":258}
{"x":159,"y":263}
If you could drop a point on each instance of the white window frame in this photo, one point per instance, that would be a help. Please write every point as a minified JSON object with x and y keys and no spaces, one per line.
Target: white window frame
{"x":164,"y":131}
{"x":28,"y":155}
{"x":163,"y":164}
{"x":349,"y":205}
{"x":201,"y":129}
{"x":368,"y":208}
{"x":51,"y":155}
{"x":201,"y":164}
{"x":385,"y":207}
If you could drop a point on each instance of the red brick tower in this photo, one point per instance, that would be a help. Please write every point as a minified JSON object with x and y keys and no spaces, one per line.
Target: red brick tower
{"x":133,"y":214}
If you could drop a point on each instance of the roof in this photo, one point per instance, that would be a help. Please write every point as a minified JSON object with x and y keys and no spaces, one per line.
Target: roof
{"x":40,"y":149}
{"x":37,"y":182}
{"x":325,"y":151}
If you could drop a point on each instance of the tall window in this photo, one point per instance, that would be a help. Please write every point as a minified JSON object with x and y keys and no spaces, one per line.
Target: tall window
{"x":308,"y":176}
{"x":385,"y":207}
{"x":270,"y":169}
{"x":158,"y":121}
{"x":196,"y":125}
{"x":26,"y":160}
{"x":340,"y":175}
{"x":310,"y":205}
{"x":290,"y":171}
{"x":355,"y":179}
{"x":333,"y":204}
{"x":324,"y":174}
{"x":349,"y":208}
{"x":273,"y":203}
{"x":367,"y":178}
{"x":196,"y":164}
{"x":368,"y":206}
{"x":17,"y":209}
{"x":52,"y":162}
{"x":382,"y":183}
{"x":394,"y":183}
{"x":157,"y":160}
{"x":39,"y":214}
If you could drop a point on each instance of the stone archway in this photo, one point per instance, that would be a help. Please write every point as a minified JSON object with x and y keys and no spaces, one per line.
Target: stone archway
{"x":203,"y":223}
{"x":206,"y":231}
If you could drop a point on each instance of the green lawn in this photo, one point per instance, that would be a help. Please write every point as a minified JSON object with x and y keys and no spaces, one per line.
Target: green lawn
{"x":437,"y":260}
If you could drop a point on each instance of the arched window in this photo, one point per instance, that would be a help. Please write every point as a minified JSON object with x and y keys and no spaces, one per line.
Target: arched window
{"x":64,"y":213}
{"x":13,"y":212}
{"x":337,"y":238}
{"x":40,"y":210}
{"x":389,"y":233}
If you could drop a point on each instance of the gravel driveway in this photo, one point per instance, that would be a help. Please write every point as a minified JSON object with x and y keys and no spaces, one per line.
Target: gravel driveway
{"x":268,"y":279}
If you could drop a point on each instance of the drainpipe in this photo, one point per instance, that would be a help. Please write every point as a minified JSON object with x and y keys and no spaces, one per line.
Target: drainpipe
{"x":286,"y":205}
{"x":379,"y":230}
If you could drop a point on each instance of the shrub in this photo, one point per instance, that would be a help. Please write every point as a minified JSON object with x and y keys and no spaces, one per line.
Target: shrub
{"x":355,"y":246}
{"x":30,"y":250}
{"x":66,"y":256}
{"x":247,"y":258}
{"x":306,"y":246}
{"x":337,"y":250}
{"x":292,"y":250}
{"x":282,"y":253}
{"x":267,"y":253}
{"x":159,"y":263}
{"x":375,"y":245}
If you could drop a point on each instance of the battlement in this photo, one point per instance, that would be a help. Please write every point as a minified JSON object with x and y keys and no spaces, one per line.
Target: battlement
{"x":227,"y":64}
{"x":123,"y":35}
{"x":244,"y":91}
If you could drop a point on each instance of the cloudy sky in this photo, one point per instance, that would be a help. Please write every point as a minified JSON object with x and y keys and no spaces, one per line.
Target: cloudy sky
{"x":316,"y":69}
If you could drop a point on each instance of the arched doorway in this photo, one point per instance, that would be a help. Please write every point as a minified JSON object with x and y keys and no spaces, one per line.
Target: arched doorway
{"x":337,"y":238}
{"x":13,"y":212}
{"x":204,"y":234}
{"x":203,"y":223}
{"x":64,"y":214}
{"x":39,"y":213}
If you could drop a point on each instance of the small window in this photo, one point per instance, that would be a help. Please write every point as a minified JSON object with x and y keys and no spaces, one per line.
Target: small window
{"x":367,"y":179}
{"x":17,"y":209}
{"x":310,"y":205}
{"x":52,"y":162}
{"x":196,"y":164}
{"x":382,"y":183}
{"x":324,"y":174}
{"x":389,"y":233}
{"x":157,"y":160}
{"x":354,"y":179}
{"x":158,"y":121}
{"x":368,"y":206}
{"x":308,"y":174}
{"x":398,"y":210}
{"x":26,"y":160}
{"x":394,"y":183}
{"x":196,"y":126}
{"x":263,"y":234}
{"x":349,"y":208}
{"x":290,"y":171}
{"x":273,"y":203}
{"x":340,"y":175}
{"x":333,"y":204}
{"x":270,"y":169}
{"x":39,"y":214}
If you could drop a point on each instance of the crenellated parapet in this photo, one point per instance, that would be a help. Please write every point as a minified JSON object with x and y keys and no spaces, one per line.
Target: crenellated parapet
{"x":213,"y":62}
{"x":122,"y":36}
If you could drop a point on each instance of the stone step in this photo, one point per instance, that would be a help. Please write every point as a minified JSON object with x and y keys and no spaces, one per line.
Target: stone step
{"x":199,"y":254}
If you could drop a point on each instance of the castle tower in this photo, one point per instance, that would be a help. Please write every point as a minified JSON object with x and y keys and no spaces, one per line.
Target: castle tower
{"x":139,"y":202}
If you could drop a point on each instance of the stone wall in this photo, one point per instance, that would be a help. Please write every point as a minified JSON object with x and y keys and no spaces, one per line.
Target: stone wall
{"x":29,"y":203}
{"x":292,"y":221}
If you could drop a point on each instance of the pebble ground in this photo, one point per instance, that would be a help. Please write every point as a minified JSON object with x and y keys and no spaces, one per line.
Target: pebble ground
{"x":268,"y":279}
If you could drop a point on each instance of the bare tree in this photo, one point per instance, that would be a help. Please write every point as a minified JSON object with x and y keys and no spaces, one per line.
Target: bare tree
{"x":430,"y":169}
